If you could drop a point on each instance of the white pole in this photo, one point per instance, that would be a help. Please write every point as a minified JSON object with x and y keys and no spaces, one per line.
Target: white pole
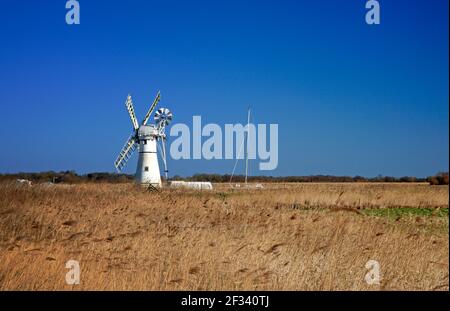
{"x":246,"y":146}
{"x":166,"y":171}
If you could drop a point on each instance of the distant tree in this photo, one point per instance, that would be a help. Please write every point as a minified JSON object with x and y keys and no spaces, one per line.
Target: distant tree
{"x":438,"y":179}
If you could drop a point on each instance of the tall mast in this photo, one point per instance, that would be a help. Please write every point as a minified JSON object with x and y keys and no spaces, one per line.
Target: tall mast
{"x":246,"y":146}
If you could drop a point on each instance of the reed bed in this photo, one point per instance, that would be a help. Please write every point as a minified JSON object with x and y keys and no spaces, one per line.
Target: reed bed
{"x":283,"y":237}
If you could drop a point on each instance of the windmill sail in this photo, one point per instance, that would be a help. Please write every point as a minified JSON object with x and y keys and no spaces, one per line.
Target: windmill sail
{"x":130,"y":108}
{"x":152,"y":107}
{"x":126,"y":152}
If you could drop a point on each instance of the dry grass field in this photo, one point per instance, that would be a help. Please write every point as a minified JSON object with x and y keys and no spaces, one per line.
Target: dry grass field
{"x":284,"y":237}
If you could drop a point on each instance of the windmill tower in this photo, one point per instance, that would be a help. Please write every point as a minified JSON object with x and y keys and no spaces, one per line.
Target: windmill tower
{"x":148,"y":139}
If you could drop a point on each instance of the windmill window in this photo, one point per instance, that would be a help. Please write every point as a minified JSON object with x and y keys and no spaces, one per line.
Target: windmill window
{"x":146,"y":168}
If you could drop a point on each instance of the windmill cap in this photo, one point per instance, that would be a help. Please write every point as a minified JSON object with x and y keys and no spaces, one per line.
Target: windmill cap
{"x":147,"y":130}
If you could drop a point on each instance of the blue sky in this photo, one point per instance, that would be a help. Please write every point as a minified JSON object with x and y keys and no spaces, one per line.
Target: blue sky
{"x":349,"y":98}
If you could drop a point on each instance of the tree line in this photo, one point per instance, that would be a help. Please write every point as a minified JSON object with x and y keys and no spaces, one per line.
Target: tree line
{"x":72,"y":177}
{"x":438,"y":179}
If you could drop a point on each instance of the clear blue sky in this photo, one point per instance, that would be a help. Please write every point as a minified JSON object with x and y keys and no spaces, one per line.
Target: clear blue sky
{"x":351,"y":99}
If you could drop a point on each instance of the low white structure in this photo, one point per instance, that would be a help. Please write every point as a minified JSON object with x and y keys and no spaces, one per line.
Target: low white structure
{"x":24,"y":182}
{"x":248,"y":186}
{"x":200,"y":185}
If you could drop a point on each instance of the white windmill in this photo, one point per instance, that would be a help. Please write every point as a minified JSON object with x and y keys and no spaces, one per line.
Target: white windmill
{"x":146,"y":138}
